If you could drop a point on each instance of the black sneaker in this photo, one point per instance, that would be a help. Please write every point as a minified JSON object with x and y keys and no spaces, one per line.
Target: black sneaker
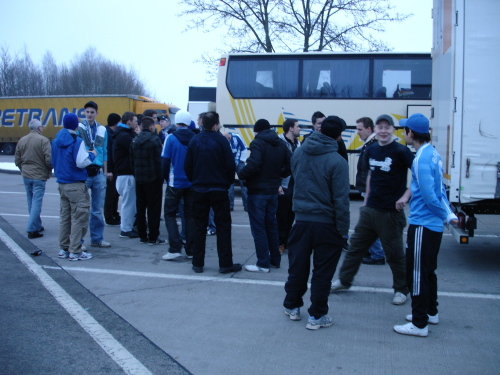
{"x":113,"y":222}
{"x":197,"y":269}
{"x":131,"y":234}
{"x":234,"y":268}
{"x":32,"y":235}
{"x":158,"y":241}
{"x":371,"y":261}
{"x":144,"y":240}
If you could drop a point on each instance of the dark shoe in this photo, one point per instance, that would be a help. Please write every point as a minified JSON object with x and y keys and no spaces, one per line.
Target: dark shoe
{"x":234,"y":268}
{"x":113,"y":222}
{"x":158,"y":241}
{"x":144,"y":240}
{"x":370,"y":260}
{"x":41,"y":229}
{"x":32,"y":235}
{"x":198,"y":269}
{"x":275,"y":266}
{"x":131,"y":234}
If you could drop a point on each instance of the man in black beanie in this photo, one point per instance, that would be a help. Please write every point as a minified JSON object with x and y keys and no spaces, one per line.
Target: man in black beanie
{"x":268,"y":163}
{"x":321,"y":207}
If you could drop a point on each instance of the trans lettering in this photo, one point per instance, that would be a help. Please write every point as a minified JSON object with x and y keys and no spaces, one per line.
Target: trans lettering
{"x":22,"y":116}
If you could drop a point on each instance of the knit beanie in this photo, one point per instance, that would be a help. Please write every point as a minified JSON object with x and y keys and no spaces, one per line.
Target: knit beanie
{"x":113,"y":119}
{"x":70,"y":121}
{"x":261,"y":125}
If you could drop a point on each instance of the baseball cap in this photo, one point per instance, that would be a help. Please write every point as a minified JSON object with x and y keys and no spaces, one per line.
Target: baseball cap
{"x":385,"y":118}
{"x":416,"y":122}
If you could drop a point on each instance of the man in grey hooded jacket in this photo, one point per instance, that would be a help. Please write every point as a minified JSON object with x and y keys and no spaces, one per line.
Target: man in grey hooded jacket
{"x":321,"y":206}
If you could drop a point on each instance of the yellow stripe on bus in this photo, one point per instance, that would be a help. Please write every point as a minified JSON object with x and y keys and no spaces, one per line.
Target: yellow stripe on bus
{"x":235,"y":110}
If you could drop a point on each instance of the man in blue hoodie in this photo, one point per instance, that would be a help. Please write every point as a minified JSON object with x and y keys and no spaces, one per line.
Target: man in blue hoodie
{"x":178,"y":187}
{"x":70,"y":158}
{"x":429,"y":210}
{"x":321,"y":207}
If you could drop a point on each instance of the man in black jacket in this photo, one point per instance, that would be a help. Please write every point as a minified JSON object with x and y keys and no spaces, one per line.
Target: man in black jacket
{"x":111,"y":215}
{"x":125,"y":181}
{"x":209,"y":165}
{"x":146,"y":167}
{"x":268,"y":163}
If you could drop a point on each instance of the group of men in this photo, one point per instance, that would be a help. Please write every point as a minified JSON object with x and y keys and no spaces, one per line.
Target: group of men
{"x":297,"y":198}
{"x":321,"y":207}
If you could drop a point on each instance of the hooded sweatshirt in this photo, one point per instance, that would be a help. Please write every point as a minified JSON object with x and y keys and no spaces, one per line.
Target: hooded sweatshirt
{"x":321,"y":175}
{"x":173,"y":155}
{"x":268,"y":163}
{"x":70,"y":158}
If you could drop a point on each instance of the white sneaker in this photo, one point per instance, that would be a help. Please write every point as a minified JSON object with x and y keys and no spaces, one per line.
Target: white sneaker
{"x":255,"y":268}
{"x":399,"y":299}
{"x":411,"y":330}
{"x":294,"y":314}
{"x":431,"y":319}
{"x":337,"y":285}
{"x":80,"y":256}
{"x":171,"y":256}
{"x":63,"y":254}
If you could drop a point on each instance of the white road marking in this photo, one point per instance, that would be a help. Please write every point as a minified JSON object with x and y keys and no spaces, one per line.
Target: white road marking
{"x":24,"y":192}
{"x":106,"y":341}
{"x":252,"y":281}
{"x":248,"y":225}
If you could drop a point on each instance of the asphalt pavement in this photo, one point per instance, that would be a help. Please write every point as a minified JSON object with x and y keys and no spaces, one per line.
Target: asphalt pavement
{"x":126,"y":310}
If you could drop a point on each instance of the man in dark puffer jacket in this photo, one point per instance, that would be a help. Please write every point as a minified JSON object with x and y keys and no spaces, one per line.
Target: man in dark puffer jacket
{"x":146,"y":167}
{"x":268,"y":163}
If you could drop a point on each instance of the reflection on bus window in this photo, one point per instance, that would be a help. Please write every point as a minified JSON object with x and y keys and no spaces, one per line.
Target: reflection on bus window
{"x":396,"y":78}
{"x":335,"y":79}
{"x":263,"y":79}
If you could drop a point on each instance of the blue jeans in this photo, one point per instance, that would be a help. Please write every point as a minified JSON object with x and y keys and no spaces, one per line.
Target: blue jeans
{"x":35,"y":189}
{"x":376,"y":250}
{"x":262,"y":214}
{"x":97,"y":188}
{"x":244,"y":195}
{"x":173,"y":197}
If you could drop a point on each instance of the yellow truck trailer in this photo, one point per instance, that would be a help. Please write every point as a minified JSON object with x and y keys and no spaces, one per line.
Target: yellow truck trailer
{"x":17,"y":112}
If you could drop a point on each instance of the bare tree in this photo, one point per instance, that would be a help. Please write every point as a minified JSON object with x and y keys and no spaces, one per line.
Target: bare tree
{"x":88,"y":73}
{"x":294,"y":25}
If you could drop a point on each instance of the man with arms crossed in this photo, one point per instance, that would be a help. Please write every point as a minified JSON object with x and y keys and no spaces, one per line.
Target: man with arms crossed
{"x":429,"y":210}
{"x":95,"y":137}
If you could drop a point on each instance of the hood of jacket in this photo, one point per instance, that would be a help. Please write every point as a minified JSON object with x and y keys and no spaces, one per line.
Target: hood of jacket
{"x":269,"y":136}
{"x":120,"y":129}
{"x":184,"y":135}
{"x":64,"y":138}
{"x":144,"y":136}
{"x":318,"y":144}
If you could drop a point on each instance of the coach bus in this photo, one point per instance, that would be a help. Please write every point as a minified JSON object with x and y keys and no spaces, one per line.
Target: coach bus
{"x":349,"y":85}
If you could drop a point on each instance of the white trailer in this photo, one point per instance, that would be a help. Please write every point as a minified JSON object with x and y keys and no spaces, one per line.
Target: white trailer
{"x":465,"y":113}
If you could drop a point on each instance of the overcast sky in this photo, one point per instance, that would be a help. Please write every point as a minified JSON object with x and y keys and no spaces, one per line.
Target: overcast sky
{"x":147,"y":35}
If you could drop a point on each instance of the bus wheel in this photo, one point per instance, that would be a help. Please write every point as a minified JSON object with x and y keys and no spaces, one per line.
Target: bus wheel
{"x":9,"y":148}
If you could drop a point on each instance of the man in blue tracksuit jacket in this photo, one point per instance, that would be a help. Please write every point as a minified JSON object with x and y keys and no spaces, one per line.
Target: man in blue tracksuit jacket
{"x":429,"y":210}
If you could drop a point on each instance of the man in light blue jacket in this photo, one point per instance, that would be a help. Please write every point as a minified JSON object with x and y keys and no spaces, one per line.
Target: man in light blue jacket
{"x":429,"y":210}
